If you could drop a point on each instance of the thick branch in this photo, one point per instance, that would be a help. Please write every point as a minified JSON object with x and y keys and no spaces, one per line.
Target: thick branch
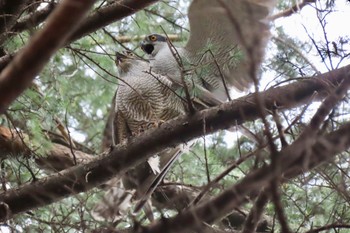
{"x":330,"y":226}
{"x":109,"y":14}
{"x":9,"y":11}
{"x":19,"y":74}
{"x":12,"y":143}
{"x":85,"y":177}
{"x":33,"y":19}
{"x":295,"y":8}
{"x":59,"y":157}
{"x":255,"y":213}
{"x":101,"y":18}
{"x":5,"y":60}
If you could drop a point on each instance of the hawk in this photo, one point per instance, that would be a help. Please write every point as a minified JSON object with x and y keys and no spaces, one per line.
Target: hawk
{"x":225,"y":47}
{"x":143,"y":100}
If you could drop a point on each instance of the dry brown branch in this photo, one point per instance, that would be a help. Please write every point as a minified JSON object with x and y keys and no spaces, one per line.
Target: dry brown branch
{"x":19,"y":74}
{"x":117,"y":161}
{"x":101,"y":18}
{"x":256,"y":212}
{"x":5,"y":60}
{"x":278,"y":206}
{"x":59,"y":157}
{"x":297,"y":50}
{"x":9,"y":13}
{"x":11,"y":143}
{"x":33,"y":19}
{"x":288,"y":12}
{"x":330,"y":226}
{"x":109,"y":14}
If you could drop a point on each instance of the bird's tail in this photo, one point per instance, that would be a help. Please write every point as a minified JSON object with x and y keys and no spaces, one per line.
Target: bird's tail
{"x":167,"y":157}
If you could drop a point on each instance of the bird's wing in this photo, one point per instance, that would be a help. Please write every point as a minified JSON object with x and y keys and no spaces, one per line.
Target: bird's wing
{"x":230,"y":29}
{"x":121,"y":130}
{"x":108,"y":132}
{"x":205,"y":98}
{"x":202,"y":98}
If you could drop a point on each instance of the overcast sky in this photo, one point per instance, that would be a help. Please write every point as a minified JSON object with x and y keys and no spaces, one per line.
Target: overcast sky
{"x":338,"y":24}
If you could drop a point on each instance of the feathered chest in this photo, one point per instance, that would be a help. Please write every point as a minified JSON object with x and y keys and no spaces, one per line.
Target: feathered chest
{"x":147,"y":97}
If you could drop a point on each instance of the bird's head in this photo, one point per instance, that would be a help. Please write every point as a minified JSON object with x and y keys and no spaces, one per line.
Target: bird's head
{"x":153,"y":43}
{"x":126,"y":59}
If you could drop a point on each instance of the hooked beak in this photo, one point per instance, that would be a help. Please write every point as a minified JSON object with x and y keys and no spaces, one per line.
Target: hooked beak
{"x":120,"y":58}
{"x":146,"y":47}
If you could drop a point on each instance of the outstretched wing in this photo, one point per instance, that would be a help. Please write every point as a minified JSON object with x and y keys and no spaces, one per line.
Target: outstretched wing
{"x":230,"y":34}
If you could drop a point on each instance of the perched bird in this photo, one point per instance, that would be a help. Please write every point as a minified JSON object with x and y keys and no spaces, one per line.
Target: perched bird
{"x":143,"y":100}
{"x":224,"y":50}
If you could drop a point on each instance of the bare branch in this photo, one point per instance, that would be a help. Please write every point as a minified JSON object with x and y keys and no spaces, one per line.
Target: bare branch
{"x":101,"y":18}
{"x":33,"y":19}
{"x":109,"y":14}
{"x":330,"y":226}
{"x":8,"y":15}
{"x":288,"y":12}
{"x":19,"y":74}
{"x":295,"y":49}
{"x":255,"y":213}
{"x":59,"y":157}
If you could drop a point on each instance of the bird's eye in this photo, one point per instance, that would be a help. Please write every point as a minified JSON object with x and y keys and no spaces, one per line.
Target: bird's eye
{"x":153,"y":38}
{"x":129,"y":53}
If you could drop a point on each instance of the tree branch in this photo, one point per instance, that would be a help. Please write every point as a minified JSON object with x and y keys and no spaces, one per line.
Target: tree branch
{"x":295,"y":8}
{"x":33,"y":19}
{"x":32,"y":58}
{"x":256,"y":212}
{"x":19,"y":74}
{"x":84,"y":177}
{"x":9,"y":11}
{"x":98,"y":19}
{"x":293,"y":163}
{"x":109,"y":14}
{"x":330,"y":226}
{"x":59,"y":157}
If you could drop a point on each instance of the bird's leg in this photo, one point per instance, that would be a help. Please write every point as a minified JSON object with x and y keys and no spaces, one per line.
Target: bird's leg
{"x":148,"y":125}
{"x":155,"y":124}
{"x":139,"y":131}
{"x":124,"y":141}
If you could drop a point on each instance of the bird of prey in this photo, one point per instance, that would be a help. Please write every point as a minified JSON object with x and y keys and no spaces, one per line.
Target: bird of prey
{"x":144,"y":99}
{"x":225,"y":48}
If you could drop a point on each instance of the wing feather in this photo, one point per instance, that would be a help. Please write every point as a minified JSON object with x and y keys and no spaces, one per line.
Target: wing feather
{"x":223,"y":33}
